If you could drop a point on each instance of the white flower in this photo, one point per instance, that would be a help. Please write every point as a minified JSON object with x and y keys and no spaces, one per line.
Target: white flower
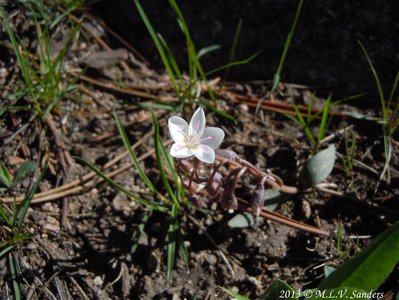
{"x":194,"y":139}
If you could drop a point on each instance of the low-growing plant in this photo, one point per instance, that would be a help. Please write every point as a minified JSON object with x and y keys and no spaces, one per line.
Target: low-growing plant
{"x":287,"y":44}
{"x":350,"y":151}
{"x":357,"y":278}
{"x":389,"y":116}
{"x":323,"y":116}
{"x":12,"y":231}
{"x":188,"y":87}
{"x":201,"y":167}
{"x":43,"y":79}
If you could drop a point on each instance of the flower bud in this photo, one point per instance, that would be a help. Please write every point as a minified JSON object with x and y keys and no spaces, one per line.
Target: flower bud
{"x":213,"y":188}
{"x":258,"y":199}
{"x":196,"y":201}
{"x":228,"y":154}
{"x":229,"y":200}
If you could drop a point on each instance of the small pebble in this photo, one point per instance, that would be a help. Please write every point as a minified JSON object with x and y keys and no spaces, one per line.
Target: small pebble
{"x":98,"y":281}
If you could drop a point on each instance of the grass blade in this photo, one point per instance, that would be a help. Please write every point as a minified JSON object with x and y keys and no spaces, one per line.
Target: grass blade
{"x":158,"y":45}
{"x":303,"y":123}
{"x":5,"y":177}
{"x":21,"y":60}
{"x":171,"y":243}
{"x":394,"y":87}
{"x":232,"y":64}
{"x":23,"y":208}
{"x":206,"y":50}
{"x":24,"y":171}
{"x":6,"y":250}
{"x":183,"y":247}
{"x":139,"y":231}
{"x":287,"y":45}
{"x":4,"y":215}
{"x":159,"y":153}
{"x":132,"y":155}
{"x":233,"y":48}
{"x":378,"y":82}
{"x":171,"y":57}
{"x":233,"y":294}
{"x":14,"y":276}
{"x":324,"y":118}
{"x":114,"y":184}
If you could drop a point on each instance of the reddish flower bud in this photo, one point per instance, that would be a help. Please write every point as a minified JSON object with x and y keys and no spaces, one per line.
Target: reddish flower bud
{"x":196,"y":201}
{"x":229,"y":200}
{"x":258,"y":199}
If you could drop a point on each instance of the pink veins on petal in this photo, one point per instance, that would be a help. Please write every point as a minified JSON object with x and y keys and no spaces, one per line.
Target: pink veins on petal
{"x":197,"y":125}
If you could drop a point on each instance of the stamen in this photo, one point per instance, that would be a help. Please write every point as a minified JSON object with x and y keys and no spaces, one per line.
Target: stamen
{"x":211,"y":137}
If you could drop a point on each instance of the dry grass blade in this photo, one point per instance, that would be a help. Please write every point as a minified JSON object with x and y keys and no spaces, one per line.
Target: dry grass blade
{"x":83,"y":182}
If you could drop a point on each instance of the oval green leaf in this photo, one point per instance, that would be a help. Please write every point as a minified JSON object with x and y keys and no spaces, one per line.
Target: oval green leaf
{"x":318,"y":167}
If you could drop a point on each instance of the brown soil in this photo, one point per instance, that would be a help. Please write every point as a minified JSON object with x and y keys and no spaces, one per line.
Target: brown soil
{"x":90,"y":255}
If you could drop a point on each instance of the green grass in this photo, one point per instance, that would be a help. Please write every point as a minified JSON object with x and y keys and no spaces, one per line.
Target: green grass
{"x":350,"y":151}
{"x":287,"y":44}
{"x":323,"y":117}
{"x":389,"y":114}
{"x":43,"y":80}
{"x":188,"y":91}
{"x":12,"y":219}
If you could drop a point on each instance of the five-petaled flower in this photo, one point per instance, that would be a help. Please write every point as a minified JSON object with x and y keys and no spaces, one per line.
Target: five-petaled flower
{"x":194,"y":139}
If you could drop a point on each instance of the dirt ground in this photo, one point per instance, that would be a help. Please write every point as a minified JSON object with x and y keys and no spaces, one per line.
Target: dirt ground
{"x":82,"y":246}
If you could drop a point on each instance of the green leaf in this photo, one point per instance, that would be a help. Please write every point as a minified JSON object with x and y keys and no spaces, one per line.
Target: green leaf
{"x":24,"y":171}
{"x":138,"y":232}
{"x":274,"y":198}
{"x":5,"y":177}
{"x":160,"y":152}
{"x":4,"y":215}
{"x":14,"y":276}
{"x":287,"y":44}
{"x":132,"y":155}
{"x":6,"y":250}
{"x":173,"y":225}
{"x":324,"y":119}
{"x":22,"y":237}
{"x":318,"y":167}
{"x":154,"y":106}
{"x":161,"y":49}
{"x":206,"y":50}
{"x":233,"y":294}
{"x":279,"y":290}
{"x":328,"y":270}
{"x":242,"y":220}
{"x":23,"y":208}
{"x":155,"y":205}
{"x":368,"y":269}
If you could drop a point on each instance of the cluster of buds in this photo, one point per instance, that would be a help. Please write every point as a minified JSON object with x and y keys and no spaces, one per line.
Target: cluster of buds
{"x":223,"y":169}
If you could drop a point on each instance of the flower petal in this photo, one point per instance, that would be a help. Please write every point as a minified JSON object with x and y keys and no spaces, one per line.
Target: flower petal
{"x":177,"y":128}
{"x":179,"y":150}
{"x":197,"y":123}
{"x":204,"y":153}
{"x":212,"y":137}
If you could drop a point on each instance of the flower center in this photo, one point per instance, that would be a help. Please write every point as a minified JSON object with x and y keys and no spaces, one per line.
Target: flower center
{"x":192,"y":141}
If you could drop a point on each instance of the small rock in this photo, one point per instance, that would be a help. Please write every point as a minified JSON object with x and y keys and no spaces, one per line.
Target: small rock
{"x":211,"y":259}
{"x":98,"y":281}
